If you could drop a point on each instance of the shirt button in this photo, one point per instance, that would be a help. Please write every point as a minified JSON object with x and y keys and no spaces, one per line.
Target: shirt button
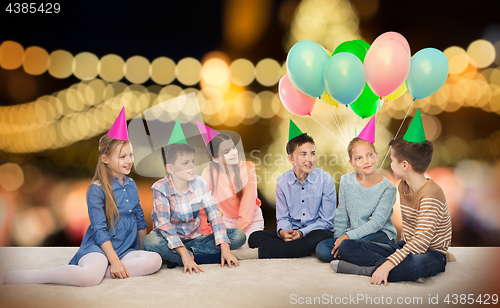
{"x":302,"y":188}
{"x":303,"y":214}
{"x":127,"y":200}
{"x":303,"y":226}
{"x":302,"y":200}
{"x":130,"y":210}
{"x":124,"y":189}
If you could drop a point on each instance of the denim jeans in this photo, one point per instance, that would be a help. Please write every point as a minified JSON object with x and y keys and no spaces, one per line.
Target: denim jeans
{"x":324,"y":248}
{"x":414,"y":266}
{"x":203,"y":245}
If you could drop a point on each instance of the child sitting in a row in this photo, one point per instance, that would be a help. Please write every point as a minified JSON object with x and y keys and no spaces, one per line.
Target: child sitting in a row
{"x":426,"y":236}
{"x":178,"y":199}
{"x":232,"y":183}
{"x":366,"y":199}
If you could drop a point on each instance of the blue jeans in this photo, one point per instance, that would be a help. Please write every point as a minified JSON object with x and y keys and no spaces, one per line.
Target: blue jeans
{"x":203,"y":245}
{"x":324,"y":248}
{"x":414,"y":266}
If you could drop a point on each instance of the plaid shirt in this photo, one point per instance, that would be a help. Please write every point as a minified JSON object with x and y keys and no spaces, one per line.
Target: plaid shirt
{"x":177,"y":217}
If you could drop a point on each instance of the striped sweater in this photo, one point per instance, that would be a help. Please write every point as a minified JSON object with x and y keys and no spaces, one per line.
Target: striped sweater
{"x":426,"y":221}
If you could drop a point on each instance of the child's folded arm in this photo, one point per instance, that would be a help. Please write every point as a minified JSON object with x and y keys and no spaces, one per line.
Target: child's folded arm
{"x":427,"y":220}
{"x":379,"y":217}
{"x":282,"y":212}
{"x":340,"y":223}
{"x":96,"y":201}
{"x":161,"y":220}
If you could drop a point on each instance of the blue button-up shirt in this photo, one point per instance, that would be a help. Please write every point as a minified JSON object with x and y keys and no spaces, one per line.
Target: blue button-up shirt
{"x":305,"y":207}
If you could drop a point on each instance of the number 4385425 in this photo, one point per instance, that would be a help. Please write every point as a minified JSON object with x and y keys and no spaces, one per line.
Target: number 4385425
{"x":31,"y":8}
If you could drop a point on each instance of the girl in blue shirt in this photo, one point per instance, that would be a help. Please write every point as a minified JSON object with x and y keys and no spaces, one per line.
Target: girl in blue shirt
{"x":111,"y":246}
{"x":365,"y":206}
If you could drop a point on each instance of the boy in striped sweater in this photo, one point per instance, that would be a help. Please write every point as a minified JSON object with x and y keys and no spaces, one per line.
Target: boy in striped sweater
{"x":426,"y":220}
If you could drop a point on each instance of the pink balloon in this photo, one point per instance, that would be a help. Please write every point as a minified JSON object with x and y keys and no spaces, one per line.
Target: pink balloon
{"x":387,"y":64}
{"x":295,"y":101}
{"x":395,"y":36}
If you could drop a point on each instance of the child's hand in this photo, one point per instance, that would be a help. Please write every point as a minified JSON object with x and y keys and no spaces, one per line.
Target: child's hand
{"x":296,"y":234}
{"x":335,"y":250}
{"x":227,"y":256}
{"x":190,"y":265}
{"x":118,"y":270}
{"x":286,"y":235}
{"x":381,"y":274}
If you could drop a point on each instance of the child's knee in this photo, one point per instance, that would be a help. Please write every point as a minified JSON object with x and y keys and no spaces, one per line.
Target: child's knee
{"x":151,"y":241}
{"x":323,"y":251}
{"x":237,"y":237}
{"x":155,"y":262}
{"x":90,"y":279}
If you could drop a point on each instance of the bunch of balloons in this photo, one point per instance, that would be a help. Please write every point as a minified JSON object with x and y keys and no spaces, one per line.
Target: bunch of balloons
{"x":358,"y":75}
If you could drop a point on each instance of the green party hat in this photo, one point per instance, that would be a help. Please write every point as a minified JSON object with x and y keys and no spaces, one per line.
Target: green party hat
{"x":415,"y":132}
{"x":177,"y":135}
{"x":293,"y":131}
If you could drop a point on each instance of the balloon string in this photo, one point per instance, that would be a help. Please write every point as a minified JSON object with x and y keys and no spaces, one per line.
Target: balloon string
{"x":396,"y":135}
{"x":348,"y":126}
{"x":376,"y":113}
{"x":341,"y":123}
{"x":329,"y":131}
{"x":355,"y":126}
{"x":336,"y":122}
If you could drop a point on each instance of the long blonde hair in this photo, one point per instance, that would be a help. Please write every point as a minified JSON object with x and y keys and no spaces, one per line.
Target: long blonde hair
{"x":104,"y":176}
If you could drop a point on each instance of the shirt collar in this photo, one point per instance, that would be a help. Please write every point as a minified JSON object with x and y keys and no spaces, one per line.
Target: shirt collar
{"x":116,"y":182}
{"x":173,"y":190}
{"x":291,"y":177}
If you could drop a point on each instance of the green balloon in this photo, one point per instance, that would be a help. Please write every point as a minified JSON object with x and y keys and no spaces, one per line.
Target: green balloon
{"x":365,"y":44}
{"x":366,"y":104}
{"x":352,"y":47}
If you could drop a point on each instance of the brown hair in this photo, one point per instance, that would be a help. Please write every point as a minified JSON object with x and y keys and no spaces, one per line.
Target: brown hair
{"x":213,"y":152}
{"x":354,"y":142}
{"x":419,"y":155}
{"x":174,"y":150}
{"x":297,"y":142}
{"x":104,"y":176}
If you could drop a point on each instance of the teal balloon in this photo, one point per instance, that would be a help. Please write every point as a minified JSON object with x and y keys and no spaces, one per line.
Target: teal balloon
{"x":344,"y":77}
{"x":428,"y":73}
{"x":352,"y":47}
{"x":365,"y":44}
{"x":366,"y":104}
{"x":305,"y":63}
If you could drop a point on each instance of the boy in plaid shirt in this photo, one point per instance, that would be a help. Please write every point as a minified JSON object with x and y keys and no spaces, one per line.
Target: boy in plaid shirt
{"x":178,"y":198}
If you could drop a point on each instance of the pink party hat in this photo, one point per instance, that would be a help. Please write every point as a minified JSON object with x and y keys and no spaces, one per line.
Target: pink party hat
{"x":368,"y":133}
{"x":119,"y":128}
{"x":206,"y":132}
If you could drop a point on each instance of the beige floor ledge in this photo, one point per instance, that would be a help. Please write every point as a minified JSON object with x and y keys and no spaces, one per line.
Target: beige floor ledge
{"x":255,"y":283}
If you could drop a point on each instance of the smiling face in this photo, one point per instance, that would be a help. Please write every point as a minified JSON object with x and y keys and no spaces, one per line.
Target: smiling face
{"x":303,"y":159}
{"x":183,"y":168}
{"x":120,"y":161}
{"x":227,"y":153}
{"x":364,"y":158}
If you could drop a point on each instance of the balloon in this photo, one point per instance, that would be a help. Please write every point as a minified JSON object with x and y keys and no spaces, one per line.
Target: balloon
{"x":294,"y":101}
{"x":398,"y":93}
{"x":428,"y":73}
{"x":387,"y":64}
{"x":344,"y":77}
{"x":365,"y":44}
{"x":329,"y":100}
{"x":395,"y":36}
{"x":366,"y":105}
{"x":352,"y":47}
{"x":305,"y":63}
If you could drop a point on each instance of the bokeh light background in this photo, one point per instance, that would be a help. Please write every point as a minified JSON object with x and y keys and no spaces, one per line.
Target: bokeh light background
{"x":64,"y":78}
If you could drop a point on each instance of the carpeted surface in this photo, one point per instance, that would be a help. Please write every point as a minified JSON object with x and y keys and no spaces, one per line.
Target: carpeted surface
{"x":255,"y":283}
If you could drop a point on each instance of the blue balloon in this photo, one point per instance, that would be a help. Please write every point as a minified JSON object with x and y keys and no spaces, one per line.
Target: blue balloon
{"x":344,"y":77}
{"x":305,"y":63}
{"x":428,"y":73}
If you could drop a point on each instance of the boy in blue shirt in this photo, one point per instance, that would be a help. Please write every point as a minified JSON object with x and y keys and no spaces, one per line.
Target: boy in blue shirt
{"x":305,"y":206}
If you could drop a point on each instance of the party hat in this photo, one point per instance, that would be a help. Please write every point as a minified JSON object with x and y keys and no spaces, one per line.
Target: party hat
{"x":177,"y":135}
{"x":119,"y":129}
{"x":206,"y":132}
{"x":368,"y":133}
{"x":415,"y":132}
{"x":293,"y":131}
